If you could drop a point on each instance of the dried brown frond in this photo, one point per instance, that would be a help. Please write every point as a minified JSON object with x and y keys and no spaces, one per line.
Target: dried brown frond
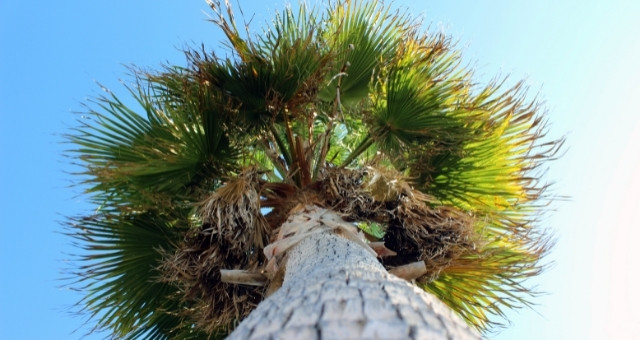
{"x":211,"y":304}
{"x":436,"y":235}
{"x":232,"y":213}
{"x":232,"y":236}
{"x":388,"y":184}
{"x":417,"y":229}
{"x":345,"y":192}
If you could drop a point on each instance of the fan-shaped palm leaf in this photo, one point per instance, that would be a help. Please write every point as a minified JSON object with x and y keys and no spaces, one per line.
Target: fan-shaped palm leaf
{"x":364,"y":36}
{"x":122,"y":296}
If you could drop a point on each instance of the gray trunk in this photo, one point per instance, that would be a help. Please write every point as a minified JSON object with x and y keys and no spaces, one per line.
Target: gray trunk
{"x":335,"y":289}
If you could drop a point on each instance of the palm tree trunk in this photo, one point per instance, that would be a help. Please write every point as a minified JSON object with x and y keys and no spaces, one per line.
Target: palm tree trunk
{"x":335,"y":289}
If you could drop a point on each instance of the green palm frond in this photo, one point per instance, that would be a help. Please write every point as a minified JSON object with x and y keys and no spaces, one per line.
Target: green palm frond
{"x":364,"y":36}
{"x":482,"y":285}
{"x":474,"y":149}
{"x":492,"y":166}
{"x":273,"y":73}
{"x":491,"y":175}
{"x":416,"y":104}
{"x":121,"y":296}
{"x":146,"y":160}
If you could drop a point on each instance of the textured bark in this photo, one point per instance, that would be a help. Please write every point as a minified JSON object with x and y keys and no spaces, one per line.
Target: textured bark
{"x":335,"y":289}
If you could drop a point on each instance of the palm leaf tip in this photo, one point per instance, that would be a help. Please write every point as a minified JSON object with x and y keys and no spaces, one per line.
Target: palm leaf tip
{"x":123,"y":299}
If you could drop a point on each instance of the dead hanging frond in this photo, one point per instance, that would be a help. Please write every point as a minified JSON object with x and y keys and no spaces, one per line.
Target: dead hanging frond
{"x":421,"y":232}
{"x":417,"y":228}
{"x":195,"y":270}
{"x":384,"y":185}
{"x":232,"y":214}
{"x":344,"y":191}
{"x":389,"y":185}
{"x":232,"y":235}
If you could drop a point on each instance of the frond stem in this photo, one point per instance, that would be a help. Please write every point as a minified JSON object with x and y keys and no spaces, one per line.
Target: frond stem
{"x":294,"y":165}
{"x":277,"y":162}
{"x":362,"y":147}
{"x":322,"y":155}
{"x":281,"y":146}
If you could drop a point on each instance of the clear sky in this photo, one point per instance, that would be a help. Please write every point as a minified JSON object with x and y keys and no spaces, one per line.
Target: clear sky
{"x":581,"y":57}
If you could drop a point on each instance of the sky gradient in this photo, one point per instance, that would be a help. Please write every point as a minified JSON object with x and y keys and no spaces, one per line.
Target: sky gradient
{"x":582,"y":58}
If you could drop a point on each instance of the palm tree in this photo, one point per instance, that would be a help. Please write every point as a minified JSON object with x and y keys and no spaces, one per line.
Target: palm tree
{"x":250,"y":181}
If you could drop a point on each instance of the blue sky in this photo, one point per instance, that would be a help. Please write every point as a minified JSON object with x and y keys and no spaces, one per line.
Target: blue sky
{"x":581,"y":57}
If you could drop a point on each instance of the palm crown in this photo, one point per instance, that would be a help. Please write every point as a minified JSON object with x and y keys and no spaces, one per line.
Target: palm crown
{"x":353,"y":108}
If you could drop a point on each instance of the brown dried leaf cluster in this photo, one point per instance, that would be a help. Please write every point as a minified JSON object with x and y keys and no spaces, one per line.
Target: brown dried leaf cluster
{"x":435,"y":235}
{"x":344,"y":191}
{"x":417,"y":229}
{"x":232,"y":214}
{"x":232,"y":236}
